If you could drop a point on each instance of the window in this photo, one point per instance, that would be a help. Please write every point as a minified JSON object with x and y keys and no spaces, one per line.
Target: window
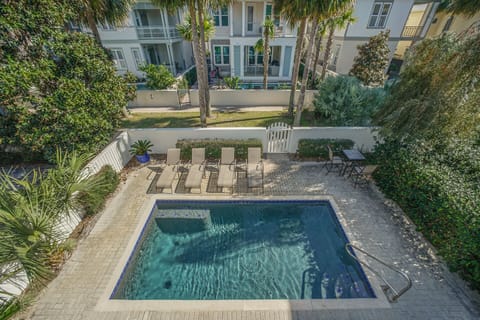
{"x":380,"y":11}
{"x":222,"y":54}
{"x":220,"y":16}
{"x":276,"y":14}
{"x":256,"y":58}
{"x":119,"y":58}
{"x":137,"y":57}
{"x":268,"y":11}
{"x":108,"y":27}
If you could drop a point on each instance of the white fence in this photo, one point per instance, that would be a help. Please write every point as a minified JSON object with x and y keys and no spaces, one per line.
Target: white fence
{"x":116,"y":154}
{"x":363,"y":137}
{"x":224,"y":97}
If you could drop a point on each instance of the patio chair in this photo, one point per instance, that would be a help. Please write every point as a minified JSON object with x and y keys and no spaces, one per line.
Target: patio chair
{"x":255,"y":168}
{"x":196,"y":170}
{"x":362,"y":174}
{"x":226,"y":172}
{"x":333,"y":162}
{"x":170,"y":169}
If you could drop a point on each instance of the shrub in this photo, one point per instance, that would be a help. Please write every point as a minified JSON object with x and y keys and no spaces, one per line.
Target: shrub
{"x":158,"y":76}
{"x":232,"y":82}
{"x":94,"y":201}
{"x":311,"y":148}
{"x":344,"y":101}
{"x":191,"y":76}
{"x":213,"y":148}
{"x":436,"y":184}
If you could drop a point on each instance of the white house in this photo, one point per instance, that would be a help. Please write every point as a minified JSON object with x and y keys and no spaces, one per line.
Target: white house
{"x":407,"y":20}
{"x":238,"y":28}
{"x":149,"y":35}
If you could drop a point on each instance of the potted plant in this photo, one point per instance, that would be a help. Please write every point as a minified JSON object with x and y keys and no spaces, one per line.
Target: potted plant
{"x":140,"y":150}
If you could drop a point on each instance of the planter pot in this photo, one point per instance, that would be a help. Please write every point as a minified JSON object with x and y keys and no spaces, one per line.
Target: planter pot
{"x":143,"y":158}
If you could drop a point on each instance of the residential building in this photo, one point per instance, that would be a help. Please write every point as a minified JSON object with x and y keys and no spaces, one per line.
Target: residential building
{"x":407,"y":20}
{"x":148,"y":35}
{"x":237,"y":28}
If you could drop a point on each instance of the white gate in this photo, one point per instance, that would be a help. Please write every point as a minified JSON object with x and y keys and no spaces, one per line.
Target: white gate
{"x":278,"y":136}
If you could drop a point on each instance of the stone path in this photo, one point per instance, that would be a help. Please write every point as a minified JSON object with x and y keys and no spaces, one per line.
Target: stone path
{"x":372,"y":223}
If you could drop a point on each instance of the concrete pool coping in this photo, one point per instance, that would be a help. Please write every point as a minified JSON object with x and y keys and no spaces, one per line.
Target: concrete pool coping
{"x":105,"y":303}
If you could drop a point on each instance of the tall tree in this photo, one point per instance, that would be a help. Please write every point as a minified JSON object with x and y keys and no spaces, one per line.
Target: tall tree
{"x":93,"y":12}
{"x":372,"y":60}
{"x":340,"y":22}
{"x":263,"y":46}
{"x":466,"y":7}
{"x":318,"y":46}
{"x":318,"y":10}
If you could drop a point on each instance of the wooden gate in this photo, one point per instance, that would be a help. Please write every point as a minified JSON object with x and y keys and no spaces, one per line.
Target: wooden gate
{"x":278,"y":136}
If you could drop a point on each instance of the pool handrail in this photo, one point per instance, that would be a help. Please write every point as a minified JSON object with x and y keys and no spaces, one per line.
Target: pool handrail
{"x":388,"y":286}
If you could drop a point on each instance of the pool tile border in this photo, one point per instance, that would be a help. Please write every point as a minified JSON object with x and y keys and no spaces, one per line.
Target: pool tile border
{"x":106,"y":303}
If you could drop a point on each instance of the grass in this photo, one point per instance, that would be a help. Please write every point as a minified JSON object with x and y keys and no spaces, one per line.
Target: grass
{"x":218,"y":119}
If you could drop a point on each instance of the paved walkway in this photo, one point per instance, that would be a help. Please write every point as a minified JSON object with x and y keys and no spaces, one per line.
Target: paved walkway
{"x":217,"y":108}
{"x":372,"y":223}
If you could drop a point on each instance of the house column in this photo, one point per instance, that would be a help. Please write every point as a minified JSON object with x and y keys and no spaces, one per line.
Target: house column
{"x":171,"y":60}
{"x":282,"y":57}
{"x":242,"y":61}
{"x":230,"y":19}
{"x":243,"y":18}
{"x":165,"y":24}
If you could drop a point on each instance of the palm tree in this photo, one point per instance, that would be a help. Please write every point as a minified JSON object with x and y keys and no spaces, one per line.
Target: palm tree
{"x":263,"y":46}
{"x":318,"y":44}
{"x":333,"y":23}
{"x":466,"y":7}
{"x":317,"y":10}
{"x":112,"y":12}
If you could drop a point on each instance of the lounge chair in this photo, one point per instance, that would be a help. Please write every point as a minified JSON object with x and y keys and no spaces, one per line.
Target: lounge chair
{"x":170,"y":169}
{"x":255,"y":168}
{"x":196,"y":170}
{"x":362,"y":174}
{"x":333,"y":162}
{"x":227,"y":166}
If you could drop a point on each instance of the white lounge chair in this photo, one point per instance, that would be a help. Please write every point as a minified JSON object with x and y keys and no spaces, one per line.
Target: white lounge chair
{"x":168,"y":174}
{"x":196,"y":170}
{"x":254,"y":168}
{"x":227,"y":171}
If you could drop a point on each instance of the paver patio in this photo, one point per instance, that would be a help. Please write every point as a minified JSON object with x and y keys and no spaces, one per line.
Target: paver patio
{"x":371,"y":222}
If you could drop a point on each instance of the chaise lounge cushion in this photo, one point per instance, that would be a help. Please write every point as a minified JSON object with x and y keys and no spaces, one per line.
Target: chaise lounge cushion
{"x":254,"y":175}
{"x":166,"y":178}
{"x":226,"y":175}
{"x":194,"y":177}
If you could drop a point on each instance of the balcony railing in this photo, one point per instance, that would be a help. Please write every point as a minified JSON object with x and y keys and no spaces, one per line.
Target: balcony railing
{"x":412,"y":31}
{"x":157,"y":33}
{"x":257,"y":71}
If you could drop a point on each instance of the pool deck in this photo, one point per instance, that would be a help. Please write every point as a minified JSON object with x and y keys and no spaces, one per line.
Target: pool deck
{"x":370,"y":221}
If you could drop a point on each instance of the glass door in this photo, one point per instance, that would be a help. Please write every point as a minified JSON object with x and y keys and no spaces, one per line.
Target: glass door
{"x":250,"y":18}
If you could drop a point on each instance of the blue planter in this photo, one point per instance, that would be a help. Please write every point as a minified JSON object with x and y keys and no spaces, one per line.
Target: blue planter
{"x":143,"y":158}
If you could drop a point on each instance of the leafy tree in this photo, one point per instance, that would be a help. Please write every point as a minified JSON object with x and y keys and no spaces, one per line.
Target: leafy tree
{"x":158,"y":76}
{"x":344,"y":101}
{"x":340,"y":21}
{"x":263,"y":46}
{"x":372,"y":60}
{"x":465,"y":7}
{"x":68,"y":96}
{"x":438,"y":92}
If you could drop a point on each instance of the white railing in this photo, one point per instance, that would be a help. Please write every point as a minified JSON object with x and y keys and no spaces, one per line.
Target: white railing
{"x":153,"y":32}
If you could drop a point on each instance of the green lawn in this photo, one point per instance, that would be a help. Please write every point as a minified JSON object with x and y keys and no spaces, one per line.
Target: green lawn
{"x":219,"y":119}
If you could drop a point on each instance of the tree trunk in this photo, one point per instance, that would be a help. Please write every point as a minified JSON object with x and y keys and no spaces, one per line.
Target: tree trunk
{"x":317,"y":55}
{"x":308,"y":62}
{"x":92,"y":25}
{"x":328,"y":48}
{"x":266,"y":57}
{"x":296,"y":65}
{"x":204,"y":56}
{"x":198,"y":63}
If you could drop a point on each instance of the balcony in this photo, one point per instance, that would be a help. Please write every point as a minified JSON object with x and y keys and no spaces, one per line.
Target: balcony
{"x":411,"y":32}
{"x":257,"y":71}
{"x":157,"y":33}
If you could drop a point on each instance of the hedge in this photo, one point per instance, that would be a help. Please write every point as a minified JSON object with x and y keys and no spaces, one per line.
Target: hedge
{"x":437,"y":186}
{"x":213,"y":147}
{"x":313,"y":148}
{"x":107,"y":182}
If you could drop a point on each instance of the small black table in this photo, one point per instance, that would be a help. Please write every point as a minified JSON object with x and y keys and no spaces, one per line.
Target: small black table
{"x":352,"y":156}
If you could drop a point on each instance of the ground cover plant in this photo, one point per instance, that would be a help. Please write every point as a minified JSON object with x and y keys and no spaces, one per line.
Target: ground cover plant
{"x":218,"y":119}
{"x":213,"y":147}
{"x":344,"y":101}
{"x":430,"y":159}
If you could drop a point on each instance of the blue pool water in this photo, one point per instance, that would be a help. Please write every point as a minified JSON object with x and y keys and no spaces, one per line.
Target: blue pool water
{"x":225,"y":250}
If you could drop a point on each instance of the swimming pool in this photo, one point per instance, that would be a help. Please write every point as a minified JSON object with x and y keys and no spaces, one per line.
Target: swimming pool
{"x":231,"y":250}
